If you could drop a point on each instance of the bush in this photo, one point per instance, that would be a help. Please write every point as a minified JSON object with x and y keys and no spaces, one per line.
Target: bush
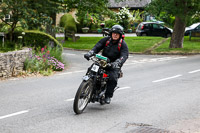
{"x":109,"y":23}
{"x":8,"y":46}
{"x":67,"y":21}
{"x":39,"y":39}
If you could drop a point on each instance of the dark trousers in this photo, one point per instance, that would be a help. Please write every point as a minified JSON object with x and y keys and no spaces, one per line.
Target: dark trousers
{"x":112,"y":81}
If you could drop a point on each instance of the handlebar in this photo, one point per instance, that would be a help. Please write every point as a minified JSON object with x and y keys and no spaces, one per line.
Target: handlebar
{"x":101,"y":60}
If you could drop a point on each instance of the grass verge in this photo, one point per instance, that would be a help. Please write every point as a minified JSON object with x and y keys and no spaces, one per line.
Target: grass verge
{"x":189,"y":47}
{"x":140,"y":45}
{"x":135,"y":44}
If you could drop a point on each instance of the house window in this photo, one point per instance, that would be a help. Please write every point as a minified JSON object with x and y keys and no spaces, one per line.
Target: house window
{"x":7,"y":17}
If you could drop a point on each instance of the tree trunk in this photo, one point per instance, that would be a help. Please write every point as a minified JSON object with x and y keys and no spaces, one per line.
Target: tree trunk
{"x":178,"y":33}
{"x":11,"y":33}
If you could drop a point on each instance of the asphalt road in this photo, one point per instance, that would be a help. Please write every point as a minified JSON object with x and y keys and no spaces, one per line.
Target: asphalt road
{"x":158,"y":93}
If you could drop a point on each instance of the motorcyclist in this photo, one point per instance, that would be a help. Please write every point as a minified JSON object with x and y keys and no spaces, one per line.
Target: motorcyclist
{"x":115,"y":48}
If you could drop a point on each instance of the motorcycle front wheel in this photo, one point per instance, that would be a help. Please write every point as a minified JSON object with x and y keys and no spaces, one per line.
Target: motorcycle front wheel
{"x":82,"y":96}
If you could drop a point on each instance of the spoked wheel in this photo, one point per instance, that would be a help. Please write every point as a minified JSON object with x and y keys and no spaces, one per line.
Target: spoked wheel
{"x":82,"y":96}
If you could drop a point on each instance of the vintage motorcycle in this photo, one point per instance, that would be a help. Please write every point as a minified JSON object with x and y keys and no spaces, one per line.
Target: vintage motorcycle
{"x":93,"y":87}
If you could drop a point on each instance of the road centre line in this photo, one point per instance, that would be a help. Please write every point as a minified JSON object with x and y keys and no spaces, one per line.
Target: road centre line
{"x":198,"y":70}
{"x":14,"y":114}
{"x":168,"y":78}
{"x":71,"y":72}
{"x":145,"y":60}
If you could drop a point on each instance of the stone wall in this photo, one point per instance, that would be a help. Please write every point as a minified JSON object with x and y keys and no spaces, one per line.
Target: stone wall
{"x":12,"y":63}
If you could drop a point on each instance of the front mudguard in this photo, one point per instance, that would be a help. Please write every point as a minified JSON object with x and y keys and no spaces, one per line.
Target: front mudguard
{"x":86,"y":78}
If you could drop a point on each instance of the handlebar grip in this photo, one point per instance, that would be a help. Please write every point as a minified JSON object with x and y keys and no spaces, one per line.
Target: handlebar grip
{"x":109,"y":65}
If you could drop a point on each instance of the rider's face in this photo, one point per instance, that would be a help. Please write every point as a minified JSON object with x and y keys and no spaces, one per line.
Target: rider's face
{"x":115,"y":36}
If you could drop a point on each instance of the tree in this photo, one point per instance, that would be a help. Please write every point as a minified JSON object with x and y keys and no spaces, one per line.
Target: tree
{"x":14,"y":7}
{"x":29,"y":13}
{"x":183,"y":10}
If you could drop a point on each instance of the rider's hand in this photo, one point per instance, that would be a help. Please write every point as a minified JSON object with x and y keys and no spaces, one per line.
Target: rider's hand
{"x":89,"y":54}
{"x":116,"y":64}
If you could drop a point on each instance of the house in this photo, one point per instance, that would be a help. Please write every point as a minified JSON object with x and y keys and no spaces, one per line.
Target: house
{"x":131,"y":4}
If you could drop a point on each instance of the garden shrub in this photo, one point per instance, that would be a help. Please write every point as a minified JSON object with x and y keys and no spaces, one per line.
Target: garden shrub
{"x":8,"y":46}
{"x":67,"y":21}
{"x":109,"y":23}
{"x":39,"y":39}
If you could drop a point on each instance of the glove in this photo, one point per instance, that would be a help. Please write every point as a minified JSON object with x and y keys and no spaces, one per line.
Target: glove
{"x":116,"y":64}
{"x":89,"y":54}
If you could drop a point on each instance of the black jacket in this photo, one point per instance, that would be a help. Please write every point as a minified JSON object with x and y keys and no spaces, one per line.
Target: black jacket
{"x":111,"y":51}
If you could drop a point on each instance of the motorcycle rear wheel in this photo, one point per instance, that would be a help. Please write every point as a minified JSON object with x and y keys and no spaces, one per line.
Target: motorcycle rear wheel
{"x":82,"y":96}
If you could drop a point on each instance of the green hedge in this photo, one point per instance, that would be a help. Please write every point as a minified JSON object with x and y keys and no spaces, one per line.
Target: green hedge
{"x":67,"y":21}
{"x":39,"y":39}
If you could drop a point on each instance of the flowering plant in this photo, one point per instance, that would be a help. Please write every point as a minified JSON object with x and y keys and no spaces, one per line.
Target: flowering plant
{"x":43,"y":61}
{"x":123,"y":17}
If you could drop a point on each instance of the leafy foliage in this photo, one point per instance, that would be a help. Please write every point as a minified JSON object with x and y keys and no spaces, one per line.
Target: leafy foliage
{"x":109,"y":23}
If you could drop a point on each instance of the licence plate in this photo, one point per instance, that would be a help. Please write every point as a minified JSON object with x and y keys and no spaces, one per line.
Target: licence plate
{"x":95,"y":68}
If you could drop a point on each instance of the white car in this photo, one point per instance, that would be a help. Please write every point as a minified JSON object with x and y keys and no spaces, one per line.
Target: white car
{"x":193,"y":27}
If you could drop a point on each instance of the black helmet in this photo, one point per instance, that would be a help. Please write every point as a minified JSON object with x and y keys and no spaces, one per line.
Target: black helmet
{"x":117,"y":29}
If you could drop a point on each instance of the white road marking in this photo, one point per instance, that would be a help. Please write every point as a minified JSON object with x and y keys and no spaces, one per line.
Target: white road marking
{"x":195,"y":71}
{"x":72,"y":72}
{"x":68,"y":100}
{"x":145,"y":60}
{"x":176,"y":76}
{"x":14,"y":114}
{"x":68,"y":54}
{"x":123,"y":88}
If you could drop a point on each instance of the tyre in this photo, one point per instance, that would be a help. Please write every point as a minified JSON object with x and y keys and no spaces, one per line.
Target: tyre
{"x":82,"y":96}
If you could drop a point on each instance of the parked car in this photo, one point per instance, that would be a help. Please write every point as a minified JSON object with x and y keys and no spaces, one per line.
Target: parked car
{"x":193,"y":27}
{"x":153,"y":29}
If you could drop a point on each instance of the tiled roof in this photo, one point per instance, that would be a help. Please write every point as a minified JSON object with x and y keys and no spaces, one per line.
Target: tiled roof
{"x":129,"y":3}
